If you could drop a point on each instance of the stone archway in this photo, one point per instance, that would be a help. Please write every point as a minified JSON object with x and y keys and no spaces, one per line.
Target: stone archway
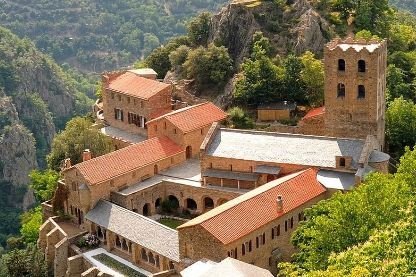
{"x":208,"y":203}
{"x":191,"y":204}
{"x":174,"y":202}
{"x":146,"y":209}
{"x":158,"y":204}
{"x":221,"y":201}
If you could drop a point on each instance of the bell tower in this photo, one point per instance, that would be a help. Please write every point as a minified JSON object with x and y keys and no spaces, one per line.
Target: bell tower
{"x":355,"y":88}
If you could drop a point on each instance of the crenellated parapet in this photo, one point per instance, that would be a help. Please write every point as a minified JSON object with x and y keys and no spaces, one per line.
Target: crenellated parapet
{"x":355,"y":45}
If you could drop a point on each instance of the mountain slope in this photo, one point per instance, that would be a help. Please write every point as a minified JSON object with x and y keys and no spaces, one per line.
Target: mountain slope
{"x":98,"y":35}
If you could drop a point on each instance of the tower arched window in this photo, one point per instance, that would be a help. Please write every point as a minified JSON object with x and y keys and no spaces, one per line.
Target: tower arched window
{"x":341,"y":65}
{"x":361,"y":91}
{"x":361,"y":66}
{"x":341,"y":90}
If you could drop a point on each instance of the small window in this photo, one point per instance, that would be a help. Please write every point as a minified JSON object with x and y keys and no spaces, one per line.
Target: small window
{"x":342,"y":162}
{"x":361,"y":92}
{"x":361,"y":66}
{"x":174,"y":131}
{"x":156,"y":128}
{"x":291,"y":222}
{"x":119,"y":97}
{"x":257,"y":242}
{"x":164,"y":125}
{"x":341,"y":90}
{"x":341,"y":65}
{"x":112,"y":95}
{"x":210,"y":165}
{"x":202,"y":131}
{"x":251,"y":169}
{"x":231,"y":167}
{"x":243,"y":249}
{"x":285,"y":225}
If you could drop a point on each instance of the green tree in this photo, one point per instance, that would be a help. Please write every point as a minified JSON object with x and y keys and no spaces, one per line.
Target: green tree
{"x":31,"y":222}
{"x":294,"y":86}
{"x":400,"y":126}
{"x":43,"y":183}
{"x":198,"y":29}
{"x":29,"y":262}
{"x":178,"y":57}
{"x":77,"y":136}
{"x":239,"y":119}
{"x":313,"y":76}
{"x":209,"y":66}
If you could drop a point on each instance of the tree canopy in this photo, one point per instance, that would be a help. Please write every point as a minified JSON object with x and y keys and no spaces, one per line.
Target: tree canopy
{"x":77,"y":136}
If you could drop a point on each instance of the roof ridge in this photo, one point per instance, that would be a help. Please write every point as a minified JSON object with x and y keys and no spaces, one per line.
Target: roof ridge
{"x":243,"y":198}
{"x":256,"y":132}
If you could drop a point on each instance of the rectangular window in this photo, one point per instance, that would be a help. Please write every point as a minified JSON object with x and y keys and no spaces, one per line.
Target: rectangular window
{"x":118,"y":114}
{"x":291,"y":222}
{"x":174,"y":131}
{"x":285,"y":225}
{"x":257,"y":242}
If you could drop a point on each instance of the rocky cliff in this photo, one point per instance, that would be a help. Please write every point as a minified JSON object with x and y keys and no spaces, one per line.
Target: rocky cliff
{"x":291,"y":28}
{"x":35,"y":97}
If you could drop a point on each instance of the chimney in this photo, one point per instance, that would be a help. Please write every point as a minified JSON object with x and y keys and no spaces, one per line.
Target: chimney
{"x":279,"y":203}
{"x":86,"y":155}
{"x":66,"y":164}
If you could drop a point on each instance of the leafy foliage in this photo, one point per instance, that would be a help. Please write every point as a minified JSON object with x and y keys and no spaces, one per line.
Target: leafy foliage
{"x":43,"y":183}
{"x":401,"y":125}
{"x":209,"y":66}
{"x":26,"y":262}
{"x":239,"y":119}
{"x":31,"y":222}
{"x":77,"y":136}
{"x":198,"y":29}
{"x":100,"y":35}
{"x":361,"y":232}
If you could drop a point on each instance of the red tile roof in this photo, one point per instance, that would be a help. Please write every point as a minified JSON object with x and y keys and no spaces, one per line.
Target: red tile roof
{"x":122,"y":161}
{"x":314,"y":112}
{"x":194,"y":117}
{"x":134,"y":85}
{"x":247,"y":213}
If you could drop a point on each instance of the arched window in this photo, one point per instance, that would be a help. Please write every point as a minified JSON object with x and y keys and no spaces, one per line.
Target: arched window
{"x":151,"y":258}
{"x":361,"y":66}
{"x":157,"y":261}
{"x":243,"y":249}
{"x":341,"y":90}
{"x":341,"y":65}
{"x":361,"y":91}
{"x":118,"y":243}
{"x":144,"y":255}
{"x":342,"y":162}
{"x":191,"y":204}
{"x":171,"y":266}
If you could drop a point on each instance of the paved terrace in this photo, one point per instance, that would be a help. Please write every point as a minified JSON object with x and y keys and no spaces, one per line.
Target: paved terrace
{"x":188,"y":174}
{"x":283,"y":148}
{"x":121,"y":134}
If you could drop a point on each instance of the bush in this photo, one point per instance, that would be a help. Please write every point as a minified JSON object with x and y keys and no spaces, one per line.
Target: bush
{"x":88,"y":241}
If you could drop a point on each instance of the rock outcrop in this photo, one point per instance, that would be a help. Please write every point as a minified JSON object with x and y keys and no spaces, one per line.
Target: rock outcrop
{"x":294,"y":28}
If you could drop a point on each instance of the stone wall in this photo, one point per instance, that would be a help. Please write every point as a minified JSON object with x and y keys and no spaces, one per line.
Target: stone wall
{"x":351,"y":115}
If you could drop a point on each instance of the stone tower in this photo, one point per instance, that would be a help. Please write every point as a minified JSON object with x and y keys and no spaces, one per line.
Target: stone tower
{"x":355,"y":88}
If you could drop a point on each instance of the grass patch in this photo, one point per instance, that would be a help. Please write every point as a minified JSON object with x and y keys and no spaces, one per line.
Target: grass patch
{"x":118,"y":266}
{"x":170,"y":222}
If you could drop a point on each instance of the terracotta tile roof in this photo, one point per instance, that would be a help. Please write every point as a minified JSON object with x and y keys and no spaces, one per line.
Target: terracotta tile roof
{"x":314,"y":112}
{"x":122,"y":161}
{"x":134,"y":85}
{"x":194,"y":117}
{"x":247,"y":213}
